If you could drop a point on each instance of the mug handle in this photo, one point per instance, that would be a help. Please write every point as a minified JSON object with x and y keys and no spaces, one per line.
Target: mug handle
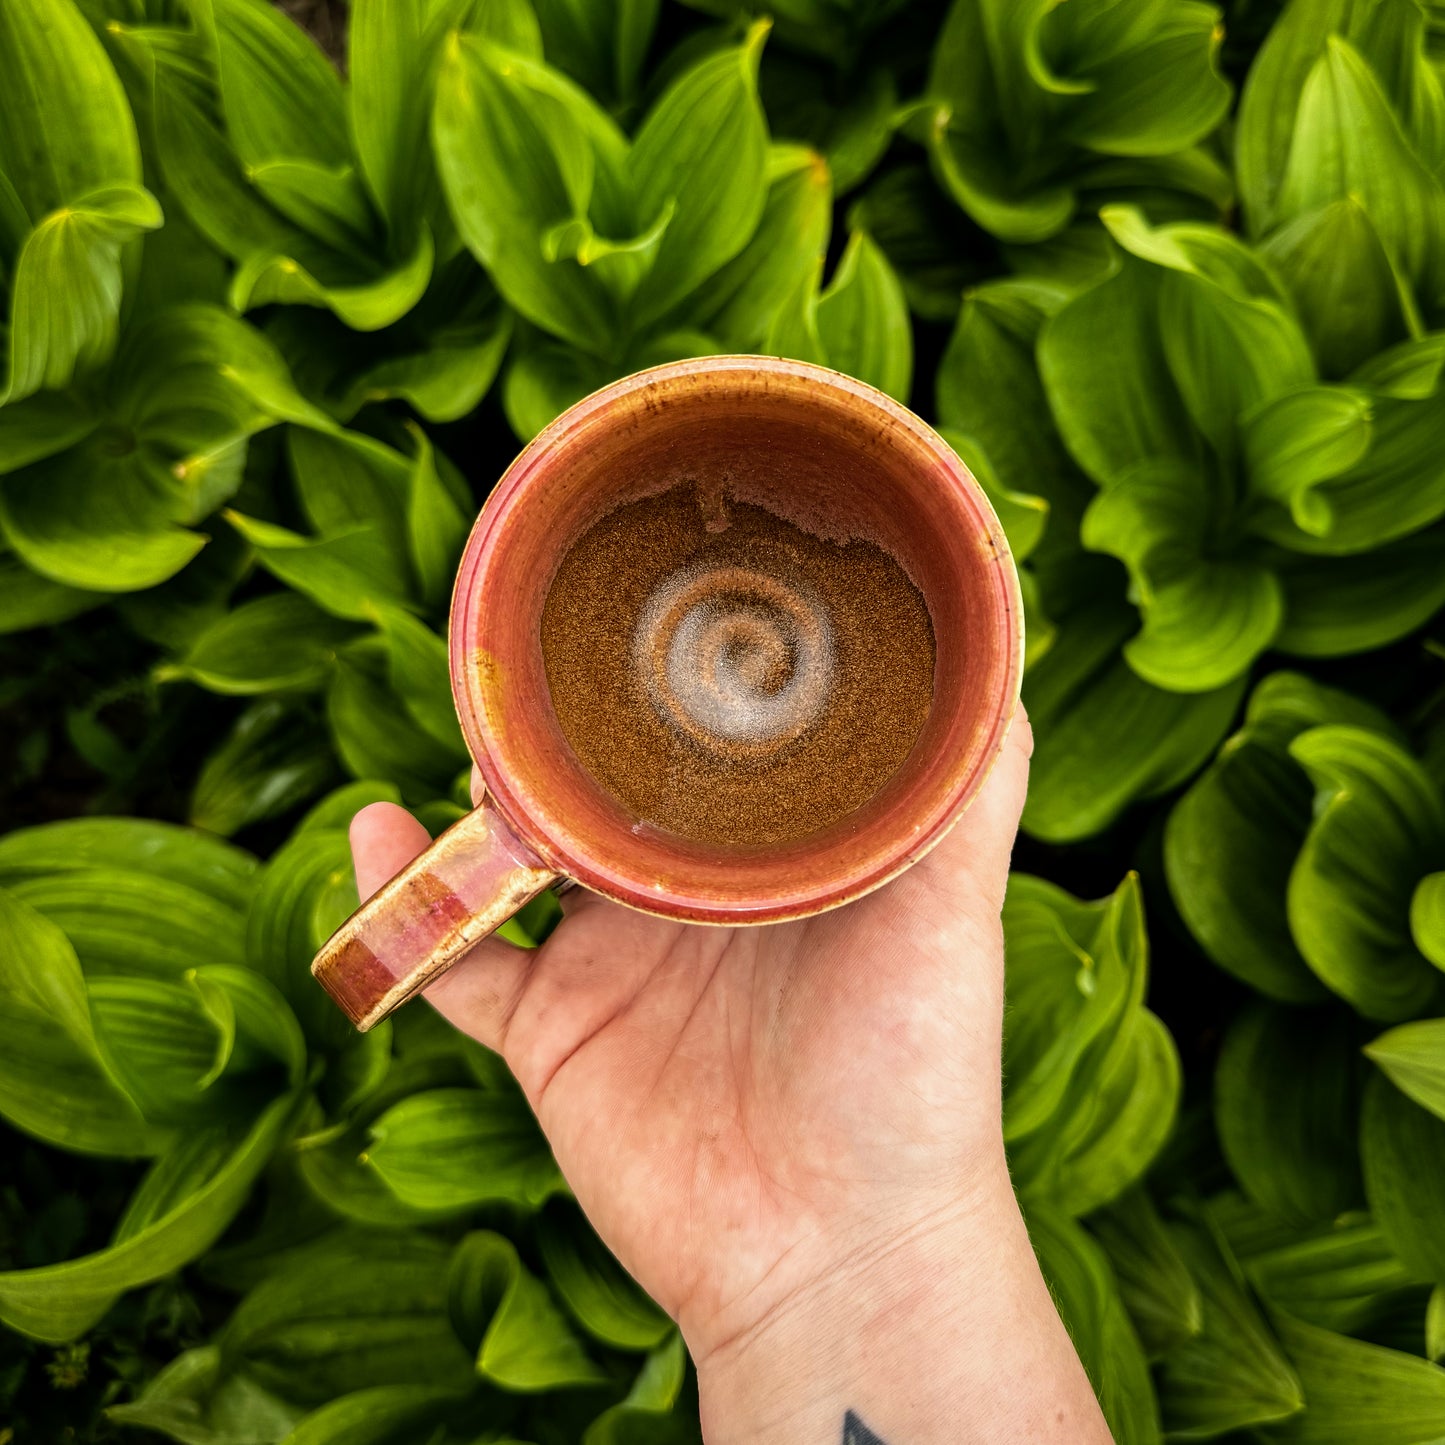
{"x":471,"y":880}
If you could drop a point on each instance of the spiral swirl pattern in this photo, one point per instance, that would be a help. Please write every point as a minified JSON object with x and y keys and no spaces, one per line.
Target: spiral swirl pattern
{"x":738,"y":660}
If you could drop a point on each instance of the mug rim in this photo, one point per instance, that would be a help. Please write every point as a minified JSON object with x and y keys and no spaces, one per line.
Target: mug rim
{"x":554,"y":846}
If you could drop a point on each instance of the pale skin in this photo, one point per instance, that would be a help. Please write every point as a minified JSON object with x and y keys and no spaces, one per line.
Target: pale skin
{"x":791,"y":1136}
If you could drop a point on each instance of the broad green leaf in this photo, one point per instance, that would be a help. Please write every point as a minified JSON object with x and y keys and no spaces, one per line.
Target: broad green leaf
{"x":1402,"y":1152}
{"x":1358,"y":1391}
{"x":1337,"y":606}
{"x":1298,"y":440}
{"x":338,"y":807}
{"x":542,"y":380}
{"x":282,"y":96}
{"x":1348,"y":142}
{"x":325,"y":201}
{"x":1435,"y":1325}
{"x":1379,"y":826}
{"x":505,"y":1313}
{"x":1345,"y":288}
{"x":28,"y":600}
{"x":54,"y":1082}
{"x":447,"y":1148}
{"x":863,"y":320}
{"x":1154,"y":1282}
{"x":269,"y":644}
{"x":376,"y":736}
{"x":599,"y":1294}
{"x":653,"y":1394}
{"x":1286,"y":1095}
{"x":381,"y":1415}
{"x":989,"y":389}
{"x":420,"y":676}
{"x":1337,"y":1274}
{"x":1022,"y":515}
{"x":40,"y":426}
{"x":1427,"y":918}
{"x":601,"y":45}
{"x":160,"y":852}
{"x":737,"y":302}
{"x":1105,"y":737}
{"x":1160,"y":95}
{"x":1105,"y":372}
{"x":65,"y":127}
{"x":180,"y":1210}
{"x":1205,"y":621}
{"x":125,"y":920}
{"x":273,"y":759}
{"x":437,"y":524}
{"x":1087,"y":1296}
{"x":518,"y":148}
{"x":850,"y":126}
{"x":365,"y":1309}
{"x":365,"y":302}
{"x":1413,"y":1057}
{"x":1232,"y":1374}
{"x":341,"y":573}
{"x":702,"y":151}
{"x":1231,"y":841}
{"x":193,"y":1401}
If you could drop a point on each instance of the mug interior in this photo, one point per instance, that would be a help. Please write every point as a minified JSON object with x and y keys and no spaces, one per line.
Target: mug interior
{"x":833,"y":457}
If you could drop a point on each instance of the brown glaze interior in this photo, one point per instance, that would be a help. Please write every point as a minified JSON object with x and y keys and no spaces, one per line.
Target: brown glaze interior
{"x":832,"y":457}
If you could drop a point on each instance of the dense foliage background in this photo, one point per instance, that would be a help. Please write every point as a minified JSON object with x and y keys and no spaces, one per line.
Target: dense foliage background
{"x":1170,"y":277}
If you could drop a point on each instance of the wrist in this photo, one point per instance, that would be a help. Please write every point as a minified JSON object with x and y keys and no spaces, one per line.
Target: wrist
{"x":935,"y":1329}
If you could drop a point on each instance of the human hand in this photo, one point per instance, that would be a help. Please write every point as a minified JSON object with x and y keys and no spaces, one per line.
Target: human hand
{"x":749,"y":1116}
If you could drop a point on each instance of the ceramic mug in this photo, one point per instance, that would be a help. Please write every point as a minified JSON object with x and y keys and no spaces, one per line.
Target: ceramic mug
{"x":821,"y":444}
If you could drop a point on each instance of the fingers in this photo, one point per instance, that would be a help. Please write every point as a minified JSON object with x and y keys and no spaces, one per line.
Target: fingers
{"x":479,"y":994}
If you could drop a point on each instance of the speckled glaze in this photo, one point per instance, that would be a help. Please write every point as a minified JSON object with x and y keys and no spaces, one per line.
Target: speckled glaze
{"x":826,"y":452}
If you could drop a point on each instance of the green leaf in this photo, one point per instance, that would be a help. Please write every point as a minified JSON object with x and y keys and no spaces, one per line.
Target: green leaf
{"x":1379,"y":826}
{"x":447,"y":1148}
{"x":600,"y":1295}
{"x":28,"y":600}
{"x":273,"y":759}
{"x":1022,"y":515}
{"x":54,"y":1082}
{"x":1205,"y":621}
{"x":543,"y":380}
{"x":1358,"y":1391}
{"x":1104,"y":368}
{"x":1435,"y":1325}
{"x":282,"y":96}
{"x":1286,"y":1095}
{"x":41,"y":426}
{"x":1345,"y":288}
{"x":160,"y":853}
{"x":180,"y":1210}
{"x":1402,"y":1152}
{"x":437,"y":524}
{"x":192,"y":1401}
{"x":499,"y":1309}
{"x":1348,"y":142}
{"x":1087,"y":1297}
{"x":1230,"y":842}
{"x":1427,"y":918}
{"x":737,"y":302}
{"x":1298,"y":440}
{"x":420,"y":676}
{"x":1413,"y":1057}
{"x":65,"y":127}
{"x":340,"y":573}
{"x":863,"y":320}
{"x":1233,"y":1373}
{"x":1338,"y":1274}
{"x":1154,"y":1282}
{"x":269,"y":644}
{"x":1336,"y":606}
{"x":1105,"y":737}
{"x":653,"y":1394}
{"x":518,"y":148}
{"x":364,"y":1309}
{"x":382,"y":1415}
{"x":702,"y":150}
{"x":375,"y":734}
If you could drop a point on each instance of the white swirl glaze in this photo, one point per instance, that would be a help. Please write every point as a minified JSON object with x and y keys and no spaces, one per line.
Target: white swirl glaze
{"x":739,"y":660}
